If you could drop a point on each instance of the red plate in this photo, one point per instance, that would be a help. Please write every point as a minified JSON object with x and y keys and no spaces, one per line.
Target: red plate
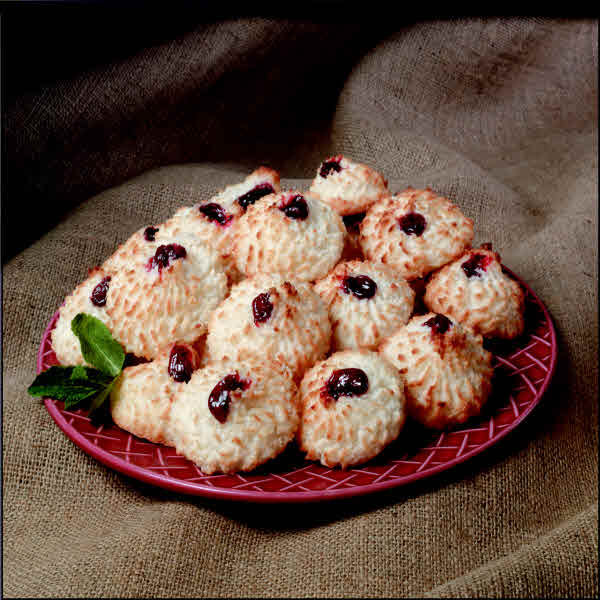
{"x":523,"y":369}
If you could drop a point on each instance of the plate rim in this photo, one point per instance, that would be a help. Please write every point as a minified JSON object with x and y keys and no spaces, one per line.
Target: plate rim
{"x":198,"y":489}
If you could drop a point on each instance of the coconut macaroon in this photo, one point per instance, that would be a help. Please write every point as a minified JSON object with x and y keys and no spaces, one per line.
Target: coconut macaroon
{"x":292,"y":234}
{"x":416,"y":232}
{"x":234,"y":416}
{"x":141,"y":399}
{"x":272,"y":317}
{"x":447,"y":372}
{"x":347,"y":186}
{"x":352,"y":406}
{"x":213,"y":221}
{"x":366,"y":302}
{"x":475,"y":291}
{"x":88,"y":297}
{"x":166,"y":295}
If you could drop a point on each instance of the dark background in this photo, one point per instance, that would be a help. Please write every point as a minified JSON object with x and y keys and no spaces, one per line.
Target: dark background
{"x":45,"y":46}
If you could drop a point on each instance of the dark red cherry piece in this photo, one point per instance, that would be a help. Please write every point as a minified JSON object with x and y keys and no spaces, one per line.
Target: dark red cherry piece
{"x":476,"y":265}
{"x":439,"y":323}
{"x":262,"y":308}
{"x":98,"y":296}
{"x":412,"y":223}
{"x":164,"y":255}
{"x":295,"y":208}
{"x":149,"y":233}
{"x":220,"y":397}
{"x":346,"y":382}
{"x":215,"y":213}
{"x":256,"y":193}
{"x":331,"y":165}
{"x":359,"y":285}
{"x":181,"y":364}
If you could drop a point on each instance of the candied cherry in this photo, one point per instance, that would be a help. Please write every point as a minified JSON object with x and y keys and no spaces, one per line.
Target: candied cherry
{"x":361,"y":286}
{"x":331,"y":165}
{"x":256,"y":193}
{"x":164,"y":255}
{"x":439,"y":323}
{"x":476,"y":265}
{"x":215,"y":213}
{"x":181,"y":364}
{"x":98,"y":296}
{"x":262,"y":307}
{"x":346,"y":382}
{"x":295,"y":207}
{"x":412,"y":224}
{"x":220,"y":397}
{"x":149,"y":233}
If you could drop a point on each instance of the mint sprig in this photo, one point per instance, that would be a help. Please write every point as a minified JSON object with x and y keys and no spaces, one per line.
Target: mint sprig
{"x":70,"y":384}
{"x":98,"y":346}
{"x":76,"y":384}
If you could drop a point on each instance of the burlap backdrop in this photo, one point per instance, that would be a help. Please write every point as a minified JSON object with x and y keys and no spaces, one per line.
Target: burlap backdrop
{"x":499,"y":114}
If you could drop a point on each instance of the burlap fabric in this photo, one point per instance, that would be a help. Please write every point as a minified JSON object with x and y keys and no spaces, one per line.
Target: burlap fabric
{"x":499,"y":114}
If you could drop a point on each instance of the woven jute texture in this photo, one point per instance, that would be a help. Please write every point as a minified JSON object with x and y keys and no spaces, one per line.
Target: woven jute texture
{"x":499,"y":114}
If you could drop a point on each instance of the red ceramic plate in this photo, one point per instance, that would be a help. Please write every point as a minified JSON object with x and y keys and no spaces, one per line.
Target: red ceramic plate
{"x":523,"y":369}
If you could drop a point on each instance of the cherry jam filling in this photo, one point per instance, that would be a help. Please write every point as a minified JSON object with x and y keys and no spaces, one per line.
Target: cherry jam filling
{"x":476,"y":265}
{"x":412,"y":223}
{"x":331,"y":165}
{"x":164,"y":255}
{"x":439,"y":323}
{"x":256,"y":193}
{"x":181,"y":364}
{"x":345,"y":382}
{"x":215,"y":213}
{"x":220,"y":397}
{"x":359,"y":285}
{"x":149,"y":233}
{"x":98,"y":296}
{"x":262,"y":308}
{"x":295,"y":208}
{"x":352,"y":222}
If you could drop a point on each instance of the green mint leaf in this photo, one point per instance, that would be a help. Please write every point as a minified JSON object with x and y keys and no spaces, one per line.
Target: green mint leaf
{"x":75,"y":384}
{"x":99,"y":408}
{"x":93,"y":376}
{"x":70,"y":384}
{"x":98,"y":346}
{"x":79,"y":372}
{"x":71,"y":400}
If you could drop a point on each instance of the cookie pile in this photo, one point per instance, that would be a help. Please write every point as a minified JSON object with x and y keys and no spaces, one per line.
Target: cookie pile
{"x":265,"y":315}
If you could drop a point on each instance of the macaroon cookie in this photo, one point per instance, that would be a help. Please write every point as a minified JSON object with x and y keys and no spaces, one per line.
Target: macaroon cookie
{"x":352,"y":407}
{"x":476,"y":292}
{"x":274,"y":317}
{"x":415,"y":232}
{"x":347,"y":186}
{"x":290,"y":234}
{"x":446,"y":370}
{"x":166,"y":294}
{"x":141,"y":400}
{"x":234,"y":416}
{"x":366,"y":302}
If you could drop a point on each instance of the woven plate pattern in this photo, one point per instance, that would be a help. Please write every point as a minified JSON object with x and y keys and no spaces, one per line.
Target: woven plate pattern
{"x":522,"y":371}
